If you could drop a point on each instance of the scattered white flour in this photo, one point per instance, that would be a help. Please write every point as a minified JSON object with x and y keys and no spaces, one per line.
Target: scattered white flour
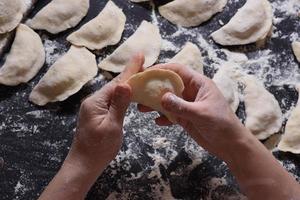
{"x":53,"y":50}
{"x":288,"y":7}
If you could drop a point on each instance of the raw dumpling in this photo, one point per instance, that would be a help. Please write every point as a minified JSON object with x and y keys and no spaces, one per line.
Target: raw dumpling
{"x":25,"y":58}
{"x":146,"y":40}
{"x":290,"y":141}
{"x":252,"y":23}
{"x":11,"y":13}
{"x":296,"y":49}
{"x":228,"y":87}
{"x":148,"y":88}
{"x":105,"y":29}
{"x":137,"y":1}
{"x":190,"y":13}
{"x":264,"y":116}
{"x":189,"y":56}
{"x":65,"y":77}
{"x":59,"y":15}
{"x":4,"y":38}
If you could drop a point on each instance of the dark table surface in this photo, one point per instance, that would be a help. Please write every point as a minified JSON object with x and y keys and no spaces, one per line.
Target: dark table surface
{"x":154,"y":162}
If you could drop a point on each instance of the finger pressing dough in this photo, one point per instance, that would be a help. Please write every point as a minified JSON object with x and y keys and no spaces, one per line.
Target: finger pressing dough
{"x":146,"y":40}
{"x":189,"y":56}
{"x":148,"y":88}
{"x":65,"y":77}
{"x":228,"y":87}
{"x":252,"y":23}
{"x":59,"y":15}
{"x":11,"y":13}
{"x":25,"y":58}
{"x":290,"y":141}
{"x":188,"y":13}
{"x":296,"y":49}
{"x":264,"y":116}
{"x":105,"y":29}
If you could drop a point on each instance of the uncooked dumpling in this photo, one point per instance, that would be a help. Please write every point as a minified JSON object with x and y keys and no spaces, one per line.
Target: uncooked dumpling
{"x":189,"y":56}
{"x":59,"y":15}
{"x":146,"y":40}
{"x":137,"y":1}
{"x":296,"y":49}
{"x":264,"y":116}
{"x":190,"y":13}
{"x":65,"y":77}
{"x":290,"y":141}
{"x":25,"y":58}
{"x":252,"y":23}
{"x":228,"y":87}
{"x":105,"y":29}
{"x":11,"y":13}
{"x":148,"y":88}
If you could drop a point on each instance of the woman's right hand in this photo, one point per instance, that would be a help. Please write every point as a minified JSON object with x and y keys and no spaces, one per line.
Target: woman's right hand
{"x":203,"y":111}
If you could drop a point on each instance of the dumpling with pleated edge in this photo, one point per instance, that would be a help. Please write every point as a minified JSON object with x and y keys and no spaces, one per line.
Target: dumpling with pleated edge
{"x":104,"y":30}
{"x":11,"y":14}
{"x":189,"y":13}
{"x":263,"y":113}
{"x":146,"y":40}
{"x":290,"y":140}
{"x":189,"y":56}
{"x":252,"y":23}
{"x":60,"y":15}
{"x":65,"y":77}
{"x":25,"y":59}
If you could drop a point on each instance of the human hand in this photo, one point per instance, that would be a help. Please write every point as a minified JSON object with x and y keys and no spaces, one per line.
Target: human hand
{"x":203,"y":112}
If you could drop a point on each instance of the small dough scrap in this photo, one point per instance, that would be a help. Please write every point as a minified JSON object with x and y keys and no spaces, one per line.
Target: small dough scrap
{"x":189,"y":13}
{"x":228,"y":87}
{"x":146,"y":40}
{"x":11,"y":14}
{"x":290,"y":141}
{"x":296,"y":49}
{"x":25,"y":59}
{"x":264,"y":116}
{"x":148,"y":88}
{"x":65,"y":77}
{"x":60,"y":15}
{"x":252,"y":23}
{"x":104,"y":30}
{"x":189,"y":56}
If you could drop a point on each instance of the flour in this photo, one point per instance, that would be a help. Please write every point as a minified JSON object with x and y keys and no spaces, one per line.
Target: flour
{"x":53,"y":49}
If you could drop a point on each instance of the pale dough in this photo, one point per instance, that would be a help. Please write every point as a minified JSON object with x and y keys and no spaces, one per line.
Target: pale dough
{"x":296,"y":49}
{"x":65,"y":77}
{"x":189,"y":13}
{"x":105,"y":29}
{"x":146,"y":40}
{"x":60,"y":15}
{"x":11,"y":14}
{"x":252,"y":23}
{"x":290,"y":141}
{"x":25,"y":59}
{"x":264,"y":116}
{"x":148,"y":88}
{"x":189,"y":56}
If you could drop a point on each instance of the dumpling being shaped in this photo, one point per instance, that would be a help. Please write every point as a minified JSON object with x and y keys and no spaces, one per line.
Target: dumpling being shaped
{"x":148,"y":88}
{"x":228,"y":87}
{"x":65,"y":77}
{"x":11,"y":14}
{"x":252,"y":23}
{"x":146,"y":40}
{"x":296,"y":49}
{"x":25,"y":59}
{"x":189,"y":56}
{"x":264,"y":116}
{"x":189,"y":13}
{"x":105,"y":29}
{"x":290,"y":140}
{"x":60,"y":15}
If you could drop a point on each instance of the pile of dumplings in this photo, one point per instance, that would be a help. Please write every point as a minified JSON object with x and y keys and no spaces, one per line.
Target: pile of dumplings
{"x":78,"y":66}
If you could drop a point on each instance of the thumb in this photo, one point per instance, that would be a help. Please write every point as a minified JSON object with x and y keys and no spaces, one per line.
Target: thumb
{"x":178,"y":106}
{"x":119,"y":103}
